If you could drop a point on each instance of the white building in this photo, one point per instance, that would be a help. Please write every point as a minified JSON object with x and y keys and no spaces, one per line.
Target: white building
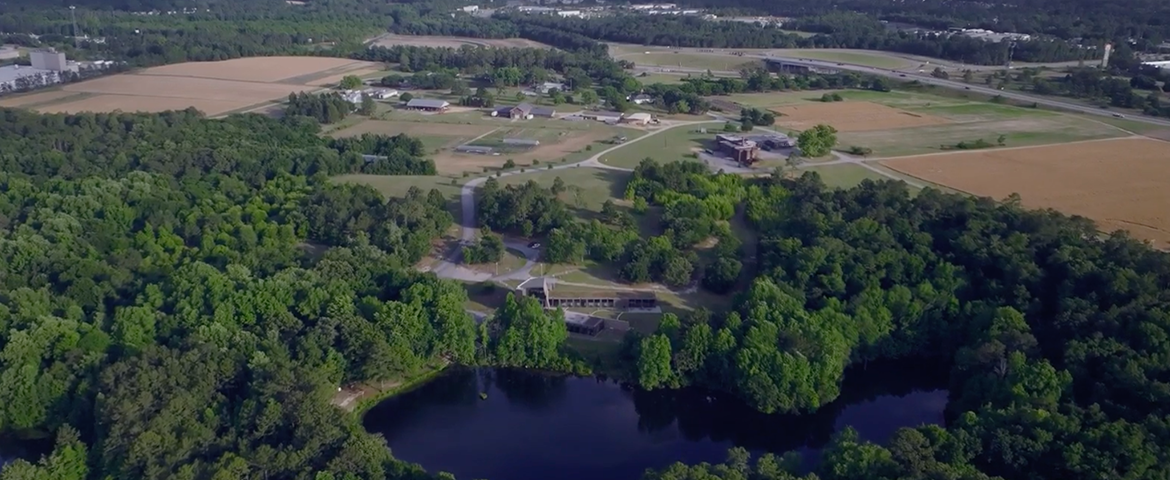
{"x":1161,"y":64}
{"x":48,"y":65}
{"x":640,"y":98}
{"x":654,"y":6}
{"x":538,"y":10}
{"x":48,"y":59}
{"x":470,"y":8}
{"x":569,"y":13}
{"x":548,"y":86}
{"x":638,"y":118}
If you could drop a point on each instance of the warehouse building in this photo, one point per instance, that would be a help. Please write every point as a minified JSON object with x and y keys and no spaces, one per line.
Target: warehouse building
{"x":603,"y":116}
{"x":638,"y":118}
{"x":740,"y":149}
{"x":474,"y":149}
{"x":428,"y":105}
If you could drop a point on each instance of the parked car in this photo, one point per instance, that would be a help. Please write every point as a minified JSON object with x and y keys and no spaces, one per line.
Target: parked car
{"x":1118,"y":115}
{"x":534,"y":245}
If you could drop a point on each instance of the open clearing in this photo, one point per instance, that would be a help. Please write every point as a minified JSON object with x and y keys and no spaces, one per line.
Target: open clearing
{"x":563,"y":143}
{"x":390,"y":40}
{"x":670,"y":146}
{"x":256,"y":69}
{"x":215,"y":88}
{"x":1121,"y":184}
{"x":34,"y":98}
{"x":844,"y":175}
{"x":689,"y":60}
{"x":851,"y":116}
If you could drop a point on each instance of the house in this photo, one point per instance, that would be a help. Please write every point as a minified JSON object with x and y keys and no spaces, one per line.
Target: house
{"x":638,"y":118}
{"x":525,"y":111}
{"x":548,"y":86}
{"x":569,"y":13}
{"x":742,"y":150}
{"x":640,"y":98}
{"x":603,"y":116}
{"x":470,"y":8}
{"x":545,"y":112}
{"x":428,"y":105}
{"x":352,"y":96}
{"x":381,"y":93}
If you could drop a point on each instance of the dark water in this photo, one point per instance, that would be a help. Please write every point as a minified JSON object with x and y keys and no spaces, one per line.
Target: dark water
{"x":537,"y":427}
{"x":12,"y":448}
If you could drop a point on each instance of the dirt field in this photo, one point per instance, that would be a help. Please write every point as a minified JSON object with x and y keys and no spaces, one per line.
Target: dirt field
{"x":34,"y":98}
{"x":1121,"y":183}
{"x":143,"y":92}
{"x":130,"y":103}
{"x":454,"y":42}
{"x":256,"y":69}
{"x":849,"y":116}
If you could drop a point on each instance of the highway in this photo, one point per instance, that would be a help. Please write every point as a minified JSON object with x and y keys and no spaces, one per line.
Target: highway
{"x":927,"y":79}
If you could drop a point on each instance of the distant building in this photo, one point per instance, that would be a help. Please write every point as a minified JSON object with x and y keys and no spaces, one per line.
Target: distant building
{"x":537,"y":10}
{"x":352,"y":96}
{"x":638,"y":118}
{"x":544,"y":289}
{"x":548,"y":86}
{"x":1161,"y":64}
{"x":48,"y":59}
{"x":640,"y":98}
{"x":569,"y":13}
{"x":740,"y":149}
{"x":381,"y":93}
{"x":603,"y":116}
{"x":428,"y":105}
{"x":470,"y":8}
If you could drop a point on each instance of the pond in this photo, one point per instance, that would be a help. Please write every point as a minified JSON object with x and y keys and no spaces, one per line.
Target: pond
{"x":535,"y":427}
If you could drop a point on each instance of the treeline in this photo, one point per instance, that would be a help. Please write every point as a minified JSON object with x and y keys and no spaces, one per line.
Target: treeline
{"x":78,"y":146}
{"x":1140,"y":92}
{"x":839,"y":30}
{"x":1052,"y":332}
{"x":690,"y":95}
{"x":324,"y":107}
{"x":1063,"y":19}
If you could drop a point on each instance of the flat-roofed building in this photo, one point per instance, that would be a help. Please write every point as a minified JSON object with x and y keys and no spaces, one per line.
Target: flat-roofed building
{"x":48,"y":59}
{"x":429,"y":105}
{"x":640,"y":118}
{"x":740,"y":149}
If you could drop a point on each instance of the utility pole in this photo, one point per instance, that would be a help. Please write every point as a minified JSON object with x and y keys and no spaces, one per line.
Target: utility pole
{"x":73,"y":16}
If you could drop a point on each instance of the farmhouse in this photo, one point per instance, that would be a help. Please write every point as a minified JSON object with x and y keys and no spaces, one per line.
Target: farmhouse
{"x":740,"y":149}
{"x":428,"y":105}
{"x":603,"y":116}
{"x":638,"y":118}
{"x":640,"y":98}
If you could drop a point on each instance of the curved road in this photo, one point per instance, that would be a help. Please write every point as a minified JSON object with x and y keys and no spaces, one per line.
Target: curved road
{"x":451,"y":269}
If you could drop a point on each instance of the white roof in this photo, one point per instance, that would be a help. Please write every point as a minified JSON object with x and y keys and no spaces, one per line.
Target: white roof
{"x":638,"y":116}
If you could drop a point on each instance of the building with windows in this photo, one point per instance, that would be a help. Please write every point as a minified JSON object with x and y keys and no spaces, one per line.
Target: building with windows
{"x":566,"y":296}
{"x":740,"y":149}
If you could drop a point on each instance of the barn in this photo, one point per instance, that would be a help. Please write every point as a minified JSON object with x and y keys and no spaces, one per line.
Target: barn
{"x":428,"y":105}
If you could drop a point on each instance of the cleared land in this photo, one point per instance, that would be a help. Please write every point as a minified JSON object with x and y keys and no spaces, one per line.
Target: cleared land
{"x":852,"y":116}
{"x":1121,"y":183}
{"x":215,"y":88}
{"x":689,"y":60}
{"x":844,"y":175}
{"x":673,"y":145}
{"x":34,"y":98}
{"x":453,"y":42}
{"x":256,"y":69}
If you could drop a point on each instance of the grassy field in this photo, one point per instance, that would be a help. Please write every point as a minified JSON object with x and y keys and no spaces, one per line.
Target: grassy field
{"x":843,"y":176}
{"x":588,"y":188}
{"x":709,"y":61}
{"x":671,"y":146}
{"x":960,"y":119}
{"x":856,"y":57}
{"x":398,"y":185}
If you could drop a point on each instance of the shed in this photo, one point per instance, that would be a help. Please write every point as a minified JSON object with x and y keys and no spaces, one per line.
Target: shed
{"x":638,"y":118}
{"x":543,"y":112}
{"x":602,"y":116}
{"x":428,"y":104}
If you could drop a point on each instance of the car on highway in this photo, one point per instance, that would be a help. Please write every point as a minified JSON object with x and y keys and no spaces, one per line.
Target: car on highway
{"x":966,"y":88}
{"x":902,"y":75}
{"x":1118,"y":115}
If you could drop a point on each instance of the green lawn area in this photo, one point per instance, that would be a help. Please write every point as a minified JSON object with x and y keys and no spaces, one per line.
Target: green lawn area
{"x":689,"y":60}
{"x":670,"y":146}
{"x":857,"y":57}
{"x":843,"y":176}
{"x":652,"y":78}
{"x":588,"y":188}
{"x":511,"y":261}
{"x":398,"y":185}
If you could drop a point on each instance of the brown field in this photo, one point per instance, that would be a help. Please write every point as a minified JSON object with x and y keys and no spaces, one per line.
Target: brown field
{"x":1122,"y":184}
{"x":132,"y":103}
{"x":256,"y":69}
{"x":851,"y":116}
{"x":454,"y":42}
{"x":34,"y":98}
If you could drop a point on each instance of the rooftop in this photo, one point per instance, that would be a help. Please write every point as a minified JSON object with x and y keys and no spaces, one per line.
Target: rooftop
{"x":639,"y":116}
{"x":12,"y":72}
{"x":427,"y":103}
{"x":603,"y":114}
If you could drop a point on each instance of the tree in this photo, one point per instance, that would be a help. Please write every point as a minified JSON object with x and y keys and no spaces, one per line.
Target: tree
{"x":938,"y":72}
{"x":654,"y":362}
{"x":1001,"y":140}
{"x":817,"y":141}
{"x":406,"y":97}
{"x":350,"y":82}
{"x":968,"y":76}
{"x":368,"y":106}
{"x":588,"y":96}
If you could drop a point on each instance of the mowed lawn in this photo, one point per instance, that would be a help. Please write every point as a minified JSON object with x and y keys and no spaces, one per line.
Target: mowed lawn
{"x":962,"y":119}
{"x":843,"y":176}
{"x":398,"y":185}
{"x":587,"y":188}
{"x":673,"y":145}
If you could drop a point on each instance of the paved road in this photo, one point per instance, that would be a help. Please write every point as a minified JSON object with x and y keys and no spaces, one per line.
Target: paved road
{"x":451,"y":268}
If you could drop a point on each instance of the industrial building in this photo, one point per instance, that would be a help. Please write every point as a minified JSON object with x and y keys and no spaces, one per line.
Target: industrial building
{"x":603,"y":116}
{"x":740,"y":149}
{"x":47,"y":67}
{"x":428,"y":105}
{"x":524,"y":111}
{"x":543,"y":289}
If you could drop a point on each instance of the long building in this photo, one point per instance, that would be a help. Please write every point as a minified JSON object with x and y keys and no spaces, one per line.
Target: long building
{"x":543,"y":289}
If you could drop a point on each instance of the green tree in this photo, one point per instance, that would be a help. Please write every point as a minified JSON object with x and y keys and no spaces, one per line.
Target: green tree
{"x":406,"y":97}
{"x":368,"y":107}
{"x":817,"y":141}
{"x":654,"y":362}
{"x":350,"y":82}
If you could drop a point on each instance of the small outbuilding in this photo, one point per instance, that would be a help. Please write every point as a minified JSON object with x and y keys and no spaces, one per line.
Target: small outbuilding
{"x":638,"y":118}
{"x":603,"y":116}
{"x":474,"y":149}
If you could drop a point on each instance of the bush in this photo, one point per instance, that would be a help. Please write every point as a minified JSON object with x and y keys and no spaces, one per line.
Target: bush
{"x":861,"y":151}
